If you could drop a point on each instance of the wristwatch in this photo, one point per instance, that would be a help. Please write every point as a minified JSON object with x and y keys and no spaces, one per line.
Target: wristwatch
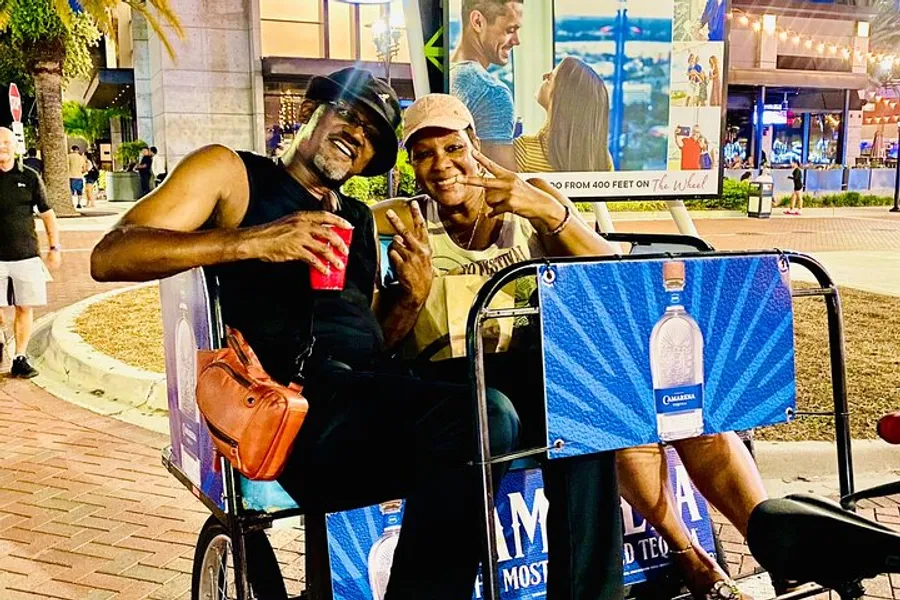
{"x":55,"y":248}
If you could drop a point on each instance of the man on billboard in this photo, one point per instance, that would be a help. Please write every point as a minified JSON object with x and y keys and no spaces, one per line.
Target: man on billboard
{"x":268,"y":230}
{"x":490,"y":30}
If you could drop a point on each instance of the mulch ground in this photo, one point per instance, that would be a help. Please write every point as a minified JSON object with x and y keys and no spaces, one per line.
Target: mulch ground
{"x":129,"y":327}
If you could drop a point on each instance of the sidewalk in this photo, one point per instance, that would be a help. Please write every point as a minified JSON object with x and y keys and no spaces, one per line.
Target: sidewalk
{"x":88,"y":512}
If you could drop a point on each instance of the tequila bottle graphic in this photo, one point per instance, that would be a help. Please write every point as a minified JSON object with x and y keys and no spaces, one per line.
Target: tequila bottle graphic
{"x":381,"y":556}
{"x":676,"y":364}
{"x":186,"y":386}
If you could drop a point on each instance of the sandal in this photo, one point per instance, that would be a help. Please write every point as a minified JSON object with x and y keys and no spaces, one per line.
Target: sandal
{"x":726,"y":589}
{"x":722,"y":588}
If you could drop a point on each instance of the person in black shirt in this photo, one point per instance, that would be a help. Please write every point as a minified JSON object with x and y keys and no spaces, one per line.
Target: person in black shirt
{"x":33,"y":162}
{"x":373,"y":432}
{"x":22,"y":280}
{"x":145,"y":170}
{"x":796,"y":197}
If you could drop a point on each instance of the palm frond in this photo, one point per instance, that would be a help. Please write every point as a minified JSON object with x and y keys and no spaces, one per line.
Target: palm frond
{"x":165,"y":12}
{"x":6,"y":10}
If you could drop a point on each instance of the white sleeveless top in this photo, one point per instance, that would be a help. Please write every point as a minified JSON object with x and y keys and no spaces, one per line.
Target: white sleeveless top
{"x":440,"y":329}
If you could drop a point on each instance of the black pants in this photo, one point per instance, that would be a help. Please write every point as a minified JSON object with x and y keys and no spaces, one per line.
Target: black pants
{"x":145,"y":183}
{"x":374,"y":436}
{"x":585,"y":518}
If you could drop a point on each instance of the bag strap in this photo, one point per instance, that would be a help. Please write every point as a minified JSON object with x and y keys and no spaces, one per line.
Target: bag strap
{"x":303,"y":357}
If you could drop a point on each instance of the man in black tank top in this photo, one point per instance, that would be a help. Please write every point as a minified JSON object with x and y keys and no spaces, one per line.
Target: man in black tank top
{"x":373,"y":432}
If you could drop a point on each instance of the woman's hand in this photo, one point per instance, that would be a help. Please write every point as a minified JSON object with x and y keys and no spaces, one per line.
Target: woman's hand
{"x":507,"y":192}
{"x":410,"y":255}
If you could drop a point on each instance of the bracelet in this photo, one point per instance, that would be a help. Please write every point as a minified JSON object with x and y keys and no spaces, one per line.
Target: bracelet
{"x":56,"y":248}
{"x":563,"y":225}
{"x":684,"y":550}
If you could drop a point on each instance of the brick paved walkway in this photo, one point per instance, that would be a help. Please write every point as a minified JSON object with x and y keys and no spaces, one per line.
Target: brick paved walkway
{"x":87,"y":511}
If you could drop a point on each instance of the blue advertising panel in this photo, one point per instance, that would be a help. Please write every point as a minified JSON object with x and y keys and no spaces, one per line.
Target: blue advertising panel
{"x":361,"y":542}
{"x":187,"y":328}
{"x":660,"y":350}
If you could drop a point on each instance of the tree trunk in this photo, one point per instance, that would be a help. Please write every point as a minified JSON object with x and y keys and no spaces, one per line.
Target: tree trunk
{"x":48,"y":94}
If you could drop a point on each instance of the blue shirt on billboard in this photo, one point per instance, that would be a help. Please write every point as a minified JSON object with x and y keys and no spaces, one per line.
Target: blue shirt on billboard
{"x":487,"y":98}
{"x":714,"y":18}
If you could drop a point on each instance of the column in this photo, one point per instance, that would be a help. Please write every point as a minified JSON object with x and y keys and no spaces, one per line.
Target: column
{"x":207,"y":93}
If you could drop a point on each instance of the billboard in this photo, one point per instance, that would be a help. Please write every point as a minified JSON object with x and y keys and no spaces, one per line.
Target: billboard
{"x":605,"y":99}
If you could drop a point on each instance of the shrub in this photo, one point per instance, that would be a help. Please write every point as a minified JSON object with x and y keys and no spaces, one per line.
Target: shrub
{"x":374,"y":189}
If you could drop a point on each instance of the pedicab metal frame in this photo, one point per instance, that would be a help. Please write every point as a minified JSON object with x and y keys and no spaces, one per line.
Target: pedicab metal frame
{"x":239,"y":520}
{"x":480,"y":313}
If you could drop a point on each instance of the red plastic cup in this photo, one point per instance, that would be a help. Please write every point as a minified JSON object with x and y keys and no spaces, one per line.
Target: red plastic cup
{"x":335,"y":278}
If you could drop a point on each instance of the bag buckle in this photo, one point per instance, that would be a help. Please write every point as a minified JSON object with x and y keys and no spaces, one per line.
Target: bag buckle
{"x":301,"y":359}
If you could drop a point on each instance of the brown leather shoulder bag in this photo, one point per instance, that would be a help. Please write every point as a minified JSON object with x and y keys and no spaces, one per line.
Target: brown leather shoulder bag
{"x":253,"y":420}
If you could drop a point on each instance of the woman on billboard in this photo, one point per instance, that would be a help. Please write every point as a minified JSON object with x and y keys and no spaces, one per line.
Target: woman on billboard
{"x":575,"y":134}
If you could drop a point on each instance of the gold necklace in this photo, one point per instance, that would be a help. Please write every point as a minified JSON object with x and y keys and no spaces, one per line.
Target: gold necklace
{"x":468,"y":245}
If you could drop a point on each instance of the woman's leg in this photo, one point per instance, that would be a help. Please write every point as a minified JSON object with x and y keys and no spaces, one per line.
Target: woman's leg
{"x":725,"y":473}
{"x":644,"y":483}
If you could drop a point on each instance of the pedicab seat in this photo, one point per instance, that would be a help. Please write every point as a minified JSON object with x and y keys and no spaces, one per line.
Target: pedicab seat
{"x":810,"y":538}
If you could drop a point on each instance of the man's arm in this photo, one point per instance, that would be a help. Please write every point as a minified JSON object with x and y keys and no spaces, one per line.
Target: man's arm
{"x":158,"y":237}
{"x":503,"y":154}
{"x":50,"y":226}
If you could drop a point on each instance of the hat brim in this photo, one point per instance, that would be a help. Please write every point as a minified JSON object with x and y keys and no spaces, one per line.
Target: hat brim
{"x":438,"y":122}
{"x":326,"y":89}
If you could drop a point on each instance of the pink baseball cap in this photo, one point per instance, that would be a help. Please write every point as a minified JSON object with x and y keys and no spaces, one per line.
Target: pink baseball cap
{"x":436,"y":110}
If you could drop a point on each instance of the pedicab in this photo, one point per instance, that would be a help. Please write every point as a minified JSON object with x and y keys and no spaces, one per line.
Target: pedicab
{"x":348,"y":554}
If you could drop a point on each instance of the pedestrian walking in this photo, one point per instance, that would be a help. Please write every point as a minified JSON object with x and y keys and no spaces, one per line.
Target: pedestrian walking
{"x":77,"y":169}
{"x":33,"y":162}
{"x":23,"y":282}
{"x":90,"y":180}
{"x":796,"y":197}
{"x":144,"y":169}
{"x":157,"y":167}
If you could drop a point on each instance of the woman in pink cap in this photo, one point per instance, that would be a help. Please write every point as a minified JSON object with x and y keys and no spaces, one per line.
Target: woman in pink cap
{"x":477,"y":218}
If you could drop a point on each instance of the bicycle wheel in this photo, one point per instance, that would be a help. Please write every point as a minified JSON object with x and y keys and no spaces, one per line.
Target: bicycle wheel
{"x":213,"y":572}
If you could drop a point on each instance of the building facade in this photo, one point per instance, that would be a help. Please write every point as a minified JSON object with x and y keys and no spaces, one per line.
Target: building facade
{"x":239,"y":73}
{"x":797,"y":81}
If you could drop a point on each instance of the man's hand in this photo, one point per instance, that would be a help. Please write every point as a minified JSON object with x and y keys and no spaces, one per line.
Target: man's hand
{"x":410,"y":255}
{"x":306,"y":236}
{"x":507,"y":192}
{"x":54,"y":259}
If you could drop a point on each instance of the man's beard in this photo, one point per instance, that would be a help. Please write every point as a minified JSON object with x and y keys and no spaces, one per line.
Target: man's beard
{"x":331,"y":171}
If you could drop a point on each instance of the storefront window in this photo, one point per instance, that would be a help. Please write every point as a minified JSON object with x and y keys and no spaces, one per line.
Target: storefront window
{"x":824,"y":133}
{"x":787,"y":140}
{"x":292,"y":28}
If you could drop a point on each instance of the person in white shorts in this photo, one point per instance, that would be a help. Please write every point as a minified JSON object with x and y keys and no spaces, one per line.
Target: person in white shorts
{"x":23,"y":280}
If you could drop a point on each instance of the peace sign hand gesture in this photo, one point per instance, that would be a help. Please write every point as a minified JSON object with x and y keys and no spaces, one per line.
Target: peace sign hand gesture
{"x":506,"y":192}
{"x":410,"y":255}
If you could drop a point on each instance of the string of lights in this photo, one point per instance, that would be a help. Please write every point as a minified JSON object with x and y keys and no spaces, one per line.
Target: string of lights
{"x":766,"y":24}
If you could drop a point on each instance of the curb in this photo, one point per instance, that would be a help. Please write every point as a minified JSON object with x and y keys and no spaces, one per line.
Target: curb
{"x":75,"y":371}
{"x":811,"y":461}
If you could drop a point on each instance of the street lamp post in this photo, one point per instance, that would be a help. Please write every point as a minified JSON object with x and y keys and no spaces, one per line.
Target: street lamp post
{"x":896,"y":207}
{"x":386,"y":33}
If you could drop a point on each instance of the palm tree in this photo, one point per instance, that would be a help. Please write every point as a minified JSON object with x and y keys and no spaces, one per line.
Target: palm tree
{"x":885,"y":37}
{"x":44,"y":32}
{"x":89,"y":124}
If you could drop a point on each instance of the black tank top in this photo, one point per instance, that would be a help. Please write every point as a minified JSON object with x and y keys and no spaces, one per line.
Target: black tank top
{"x":270,"y":302}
